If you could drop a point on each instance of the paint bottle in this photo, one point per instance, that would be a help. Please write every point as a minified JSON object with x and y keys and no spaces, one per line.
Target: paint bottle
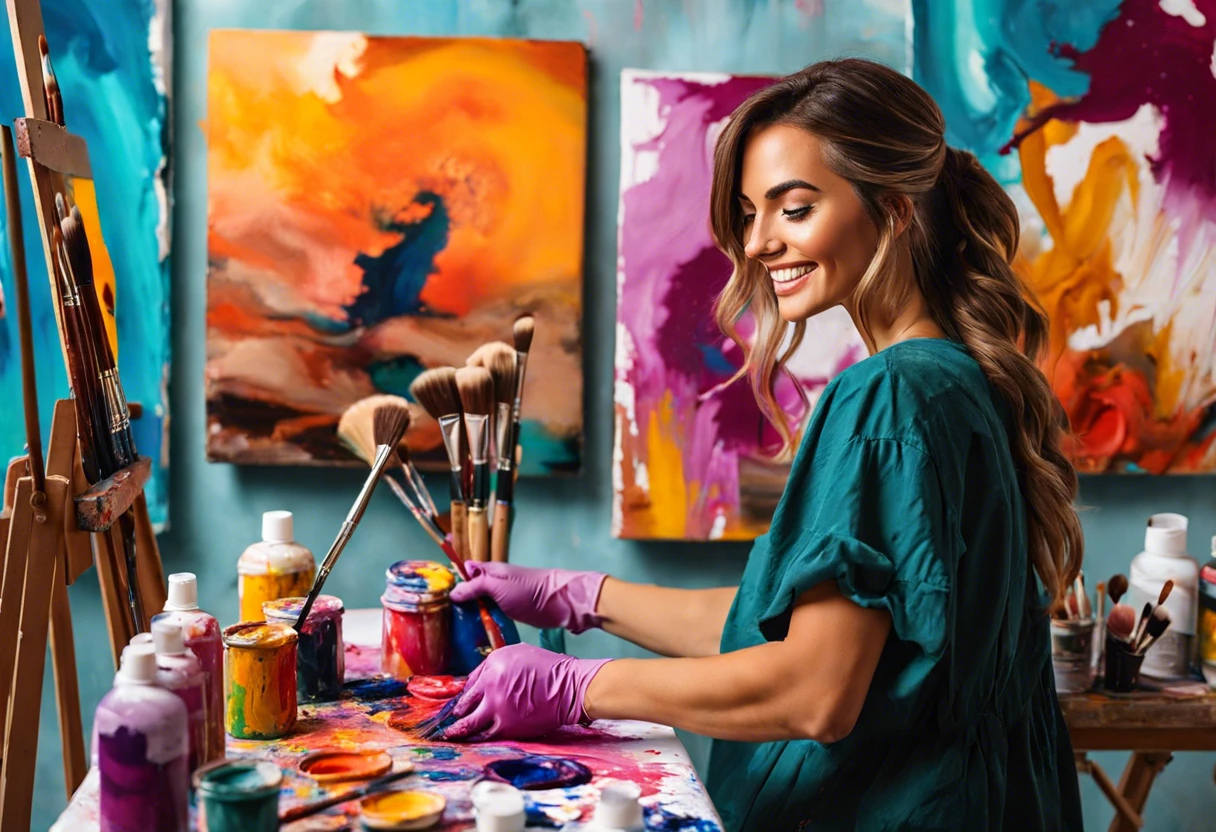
{"x":275,"y":567}
{"x":179,"y":671}
{"x":1165,"y":558}
{"x":417,"y":619}
{"x":470,"y":644}
{"x":259,"y":680}
{"x":498,"y":807}
{"x":201,"y":632}
{"x":320,"y":655}
{"x":142,"y":755}
{"x":239,"y":797}
{"x":1207,"y":615}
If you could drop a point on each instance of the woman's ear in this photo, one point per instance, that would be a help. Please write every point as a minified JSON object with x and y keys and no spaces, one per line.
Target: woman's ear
{"x":900,"y":211}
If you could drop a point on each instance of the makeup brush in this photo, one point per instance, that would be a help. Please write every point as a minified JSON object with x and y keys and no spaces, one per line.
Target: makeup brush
{"x":389,"y":424}
{"x":1156,"y":625}
{"x":522,"y":332}
{"x":1121,"y":621}
{"x":1117,"y":586}
{"x":371,"y":787}
{"x":437,"y":392}
{"x":356,"y":431}
{"x":1145,"y":615}
{"x":476,"y":387}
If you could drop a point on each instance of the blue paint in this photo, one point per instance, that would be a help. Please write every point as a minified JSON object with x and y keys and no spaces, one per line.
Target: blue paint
{"x":371,"y":690}
{"x":395,"y":376}
{"x":664,"y":821}
{"x":468,"y":636}
{"x":450,"y":775}
{"x":101,"y":58}
{"x":539,"y":772}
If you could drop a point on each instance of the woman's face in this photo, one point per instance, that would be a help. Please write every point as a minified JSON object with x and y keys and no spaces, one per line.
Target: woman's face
{"x":804,"y":223}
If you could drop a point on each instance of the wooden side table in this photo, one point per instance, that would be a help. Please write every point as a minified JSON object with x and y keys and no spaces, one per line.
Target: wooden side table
{"x":1150,"y":724}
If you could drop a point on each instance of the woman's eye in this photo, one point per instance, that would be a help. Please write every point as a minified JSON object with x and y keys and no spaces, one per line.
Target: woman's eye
{"x":796,"y":213}
{"x":747,"y":218}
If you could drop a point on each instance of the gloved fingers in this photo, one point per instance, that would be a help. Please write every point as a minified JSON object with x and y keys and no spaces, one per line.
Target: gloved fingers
{"x":467,"y":702}
{"x":490,"y":732}
{"x":473,"y":587}
{"x":474,"y":723}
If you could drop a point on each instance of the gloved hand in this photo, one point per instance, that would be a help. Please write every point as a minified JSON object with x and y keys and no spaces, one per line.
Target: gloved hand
{"x":520,"y":692}
{"x":539,"y":597}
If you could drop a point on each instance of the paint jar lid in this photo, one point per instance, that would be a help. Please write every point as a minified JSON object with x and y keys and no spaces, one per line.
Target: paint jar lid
{"x":259,"y":635}
{"x":142,"y":638}
{"x":619,"y":807}
{"x":499,"y":807}
{"x":1165,"y":534}
{"x":183,"y":592}
{"x":138,"y":664}
{"x":287,"y":610}
{"x":277,"y":527}
{"x":238,"y":781}
{"x":168,"y":638}
{"x":417,"y":581}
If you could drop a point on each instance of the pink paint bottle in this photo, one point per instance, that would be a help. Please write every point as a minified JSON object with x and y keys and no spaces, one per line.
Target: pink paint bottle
{"x":201,"y":633}
{"x":179,"y":671}
{"x":142,"y":751}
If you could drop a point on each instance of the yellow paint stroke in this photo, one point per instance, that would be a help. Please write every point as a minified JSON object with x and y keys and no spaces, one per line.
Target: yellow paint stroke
{"x":254,"y":590}
{"x":103,"y":269}
{"x":668,"y":515}
{"x":260,"y":680}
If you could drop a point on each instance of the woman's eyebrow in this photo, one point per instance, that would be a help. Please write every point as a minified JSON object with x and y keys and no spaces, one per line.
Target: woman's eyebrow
{"x":788,"y":185}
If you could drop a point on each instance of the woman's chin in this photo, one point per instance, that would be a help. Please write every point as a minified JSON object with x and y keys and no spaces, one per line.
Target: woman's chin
{"x":799,"y":307}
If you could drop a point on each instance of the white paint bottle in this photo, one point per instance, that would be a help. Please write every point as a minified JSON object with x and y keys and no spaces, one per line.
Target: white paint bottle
{"x":1165,"y":559}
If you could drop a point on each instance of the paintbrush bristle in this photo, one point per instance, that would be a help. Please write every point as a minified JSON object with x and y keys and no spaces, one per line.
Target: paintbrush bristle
{"x":1165,"y":592}
{"x":356,"y":427}
{"x":500,"y":361}
{"x":436,"y":391}
{"x":476,"y":387}
{"x":523,"y":330}
{"x":1118,"y":586}
{"x":77,"y":246}
{"x":389,"y":423}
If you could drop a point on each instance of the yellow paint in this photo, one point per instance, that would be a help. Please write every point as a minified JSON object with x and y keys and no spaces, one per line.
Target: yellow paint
{"x":438,"y":578}
{"x":398,"y":807}
{"x":259,"y":680}
{"x":665,"y":468}
{"x":103,"y":270}
{"x":254,"y":590}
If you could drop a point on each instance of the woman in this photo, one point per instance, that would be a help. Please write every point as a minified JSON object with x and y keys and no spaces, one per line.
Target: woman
{"x":884,"y":663}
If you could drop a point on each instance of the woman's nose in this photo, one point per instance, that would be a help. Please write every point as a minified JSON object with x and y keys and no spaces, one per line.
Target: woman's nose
{"x":760,"y":242}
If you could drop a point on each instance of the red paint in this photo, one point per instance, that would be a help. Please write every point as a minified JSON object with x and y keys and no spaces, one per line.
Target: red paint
{"x":435,"y":688}
{"x":416,"y":642}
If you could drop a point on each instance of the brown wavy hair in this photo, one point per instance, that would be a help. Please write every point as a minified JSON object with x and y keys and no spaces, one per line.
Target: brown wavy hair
{"x":886,"y":135}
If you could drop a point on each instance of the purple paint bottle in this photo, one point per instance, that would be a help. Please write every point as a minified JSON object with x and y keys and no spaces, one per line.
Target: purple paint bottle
{"x":179,"y":671}
{"x":201,"y":633}
{"x":142,"y":744}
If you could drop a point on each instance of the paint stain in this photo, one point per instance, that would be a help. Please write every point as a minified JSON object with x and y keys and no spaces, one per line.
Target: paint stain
{"x":402,"y":807}
{"x":337,"y":765}
{"x":664,"y":821}
{"x":538,"y":772}
{"x":435,"y":688}
{"x":451,"y":775}
{"x":371,"y":690}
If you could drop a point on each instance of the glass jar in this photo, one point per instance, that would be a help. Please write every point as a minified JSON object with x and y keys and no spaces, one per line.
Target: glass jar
{"x":259,"y":680}
{"x":417,"y":619}
{"x":320,"y":657}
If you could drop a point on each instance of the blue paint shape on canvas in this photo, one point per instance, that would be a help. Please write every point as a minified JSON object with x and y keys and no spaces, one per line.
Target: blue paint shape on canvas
{"x":113,"y":98}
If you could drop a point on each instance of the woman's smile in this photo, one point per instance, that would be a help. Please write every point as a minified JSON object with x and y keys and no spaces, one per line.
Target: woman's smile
{"x":789,"y":279}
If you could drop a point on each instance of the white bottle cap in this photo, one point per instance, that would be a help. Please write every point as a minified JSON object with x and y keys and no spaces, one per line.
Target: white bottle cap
{"x":619,"y":807}
{"x":498,"y":807}
{"x":138,"y":664}
{"x":1166,"y":534}
{"x":183,"y":592}
{"x":276,"y":527}
{"x":168,"y":639}
{"x":141,"y":638}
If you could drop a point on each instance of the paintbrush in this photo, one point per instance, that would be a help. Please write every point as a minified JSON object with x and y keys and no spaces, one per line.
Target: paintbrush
{"x":82,"y":373}
{"x":522,"y":332}
{"x":477,"y":396}
{"x":389,"y":424}
{"x":371,"y":787}
{"x":356,"y":430}
{"x":1145,"y":615}
{"x":431,"y":727}
{"x":437,"y":392}
{"x":50,"y":84}
{"x":1078,"y":587}
{"x":499,"y":359}
{"x":1117,"y":586}
{"x":1156,"y":625}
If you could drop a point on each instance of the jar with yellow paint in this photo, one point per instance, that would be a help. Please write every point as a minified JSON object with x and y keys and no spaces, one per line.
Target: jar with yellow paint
{"x":259,"y":680}
{"x":276,"y":567}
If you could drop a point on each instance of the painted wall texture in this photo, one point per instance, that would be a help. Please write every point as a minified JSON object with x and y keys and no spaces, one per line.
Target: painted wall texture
{"x":215,"y":511}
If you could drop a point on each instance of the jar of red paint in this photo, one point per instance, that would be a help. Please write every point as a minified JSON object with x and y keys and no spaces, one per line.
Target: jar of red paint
{"x":417,"y":619}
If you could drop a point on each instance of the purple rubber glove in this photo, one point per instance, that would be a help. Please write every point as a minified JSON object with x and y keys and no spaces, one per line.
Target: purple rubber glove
{"x":521,"y":691}
{"x":539,"y":597}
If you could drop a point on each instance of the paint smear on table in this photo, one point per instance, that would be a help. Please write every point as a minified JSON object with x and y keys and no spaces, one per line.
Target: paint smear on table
{"x":1095,"y":117}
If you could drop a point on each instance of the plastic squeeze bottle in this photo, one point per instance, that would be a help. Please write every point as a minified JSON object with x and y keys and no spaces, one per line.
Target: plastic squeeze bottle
{"x":179,"y":671}
{"x":1165,"y":559}
{"x":201,"y":633}
{"x":276,"y":567}
{"x":142,"y":750}
{"x":1207,"y":613}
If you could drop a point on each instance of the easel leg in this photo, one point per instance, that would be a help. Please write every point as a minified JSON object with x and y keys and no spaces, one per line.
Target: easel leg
{"x":152,"y":587}
{"x":110,"y":576}
{"x":16,"y":557}
{"x":1123,"y":809}
{"x":67,"y":689}
{"x":1138,"y":776}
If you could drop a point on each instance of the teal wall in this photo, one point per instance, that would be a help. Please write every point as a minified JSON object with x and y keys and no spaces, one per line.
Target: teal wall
{"x":215,"y":509}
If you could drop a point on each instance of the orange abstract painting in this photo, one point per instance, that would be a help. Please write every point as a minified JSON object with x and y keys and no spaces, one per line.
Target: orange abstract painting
{"x":381,"y":205}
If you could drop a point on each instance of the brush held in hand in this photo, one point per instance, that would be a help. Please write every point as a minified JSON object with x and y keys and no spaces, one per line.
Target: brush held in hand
{"x":389,"y":425}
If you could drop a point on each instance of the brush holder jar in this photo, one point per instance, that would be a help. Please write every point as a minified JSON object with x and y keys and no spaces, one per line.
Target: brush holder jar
{"x":1122,"y":666}
{"x":417,"y":619}
{"x":320,"y":657}
{"x":260,"y":680}
{"x":1072,"y":655}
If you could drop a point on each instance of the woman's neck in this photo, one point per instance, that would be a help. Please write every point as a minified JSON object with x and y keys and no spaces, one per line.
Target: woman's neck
{"x":911,"y":320}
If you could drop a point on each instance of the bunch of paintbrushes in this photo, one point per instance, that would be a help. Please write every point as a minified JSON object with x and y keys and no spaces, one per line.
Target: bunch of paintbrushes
{"x":1138,"y":635}
{"x":478,"y":408}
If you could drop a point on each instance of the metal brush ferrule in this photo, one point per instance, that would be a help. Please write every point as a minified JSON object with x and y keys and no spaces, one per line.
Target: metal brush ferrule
{"x":449,"y":426}
{"x":521,"y":367}
{"x":479,"y":437}
{"x":119,"y":416}
{"x":502,"y":438}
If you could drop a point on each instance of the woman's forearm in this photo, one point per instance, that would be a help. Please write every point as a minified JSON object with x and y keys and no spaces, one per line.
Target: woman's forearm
{"x":670,"y":622}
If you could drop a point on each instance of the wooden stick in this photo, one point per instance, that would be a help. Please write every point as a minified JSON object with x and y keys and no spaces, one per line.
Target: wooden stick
{"x":67,"y":688}
{"x":460,"y":529}
{"x":479,"y":535}
{"x":153,"y":590}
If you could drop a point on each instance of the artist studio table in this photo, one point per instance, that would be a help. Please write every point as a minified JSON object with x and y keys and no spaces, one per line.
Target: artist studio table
{"x":647,"y":754}
{"x":1152,"y":724}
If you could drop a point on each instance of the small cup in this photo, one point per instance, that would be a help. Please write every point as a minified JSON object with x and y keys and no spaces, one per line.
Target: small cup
{"x":1122,"y":666}
{"x":1072,"y":654}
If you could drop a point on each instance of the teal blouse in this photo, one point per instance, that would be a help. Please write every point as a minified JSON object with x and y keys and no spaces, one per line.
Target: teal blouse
{"x":904,"y":492}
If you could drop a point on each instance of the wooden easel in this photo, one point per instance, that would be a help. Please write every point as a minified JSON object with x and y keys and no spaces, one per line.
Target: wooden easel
{"x":55,"y":526}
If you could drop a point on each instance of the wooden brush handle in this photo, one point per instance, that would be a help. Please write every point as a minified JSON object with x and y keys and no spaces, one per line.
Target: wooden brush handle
{"x":500,"y":539}
{"x":460,"y":529}
{"x":479,"y":535}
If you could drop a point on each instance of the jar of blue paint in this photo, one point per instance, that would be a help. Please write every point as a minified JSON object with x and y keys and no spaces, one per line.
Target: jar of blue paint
{"x":470,"y":644}
{"x":239,"y":797}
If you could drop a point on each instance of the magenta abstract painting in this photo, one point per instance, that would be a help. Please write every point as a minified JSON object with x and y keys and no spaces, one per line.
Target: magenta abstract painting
{"x":693,"y":457}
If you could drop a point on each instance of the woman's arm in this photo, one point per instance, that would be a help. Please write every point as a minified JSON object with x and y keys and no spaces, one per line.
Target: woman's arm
{"x":670,"y":622}
{"x":810,"y":686}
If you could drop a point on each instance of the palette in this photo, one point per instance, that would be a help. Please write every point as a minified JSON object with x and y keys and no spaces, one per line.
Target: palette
{"x":380,"y":715}
{"x":402,"y":809}
{"x":335,"y":765}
